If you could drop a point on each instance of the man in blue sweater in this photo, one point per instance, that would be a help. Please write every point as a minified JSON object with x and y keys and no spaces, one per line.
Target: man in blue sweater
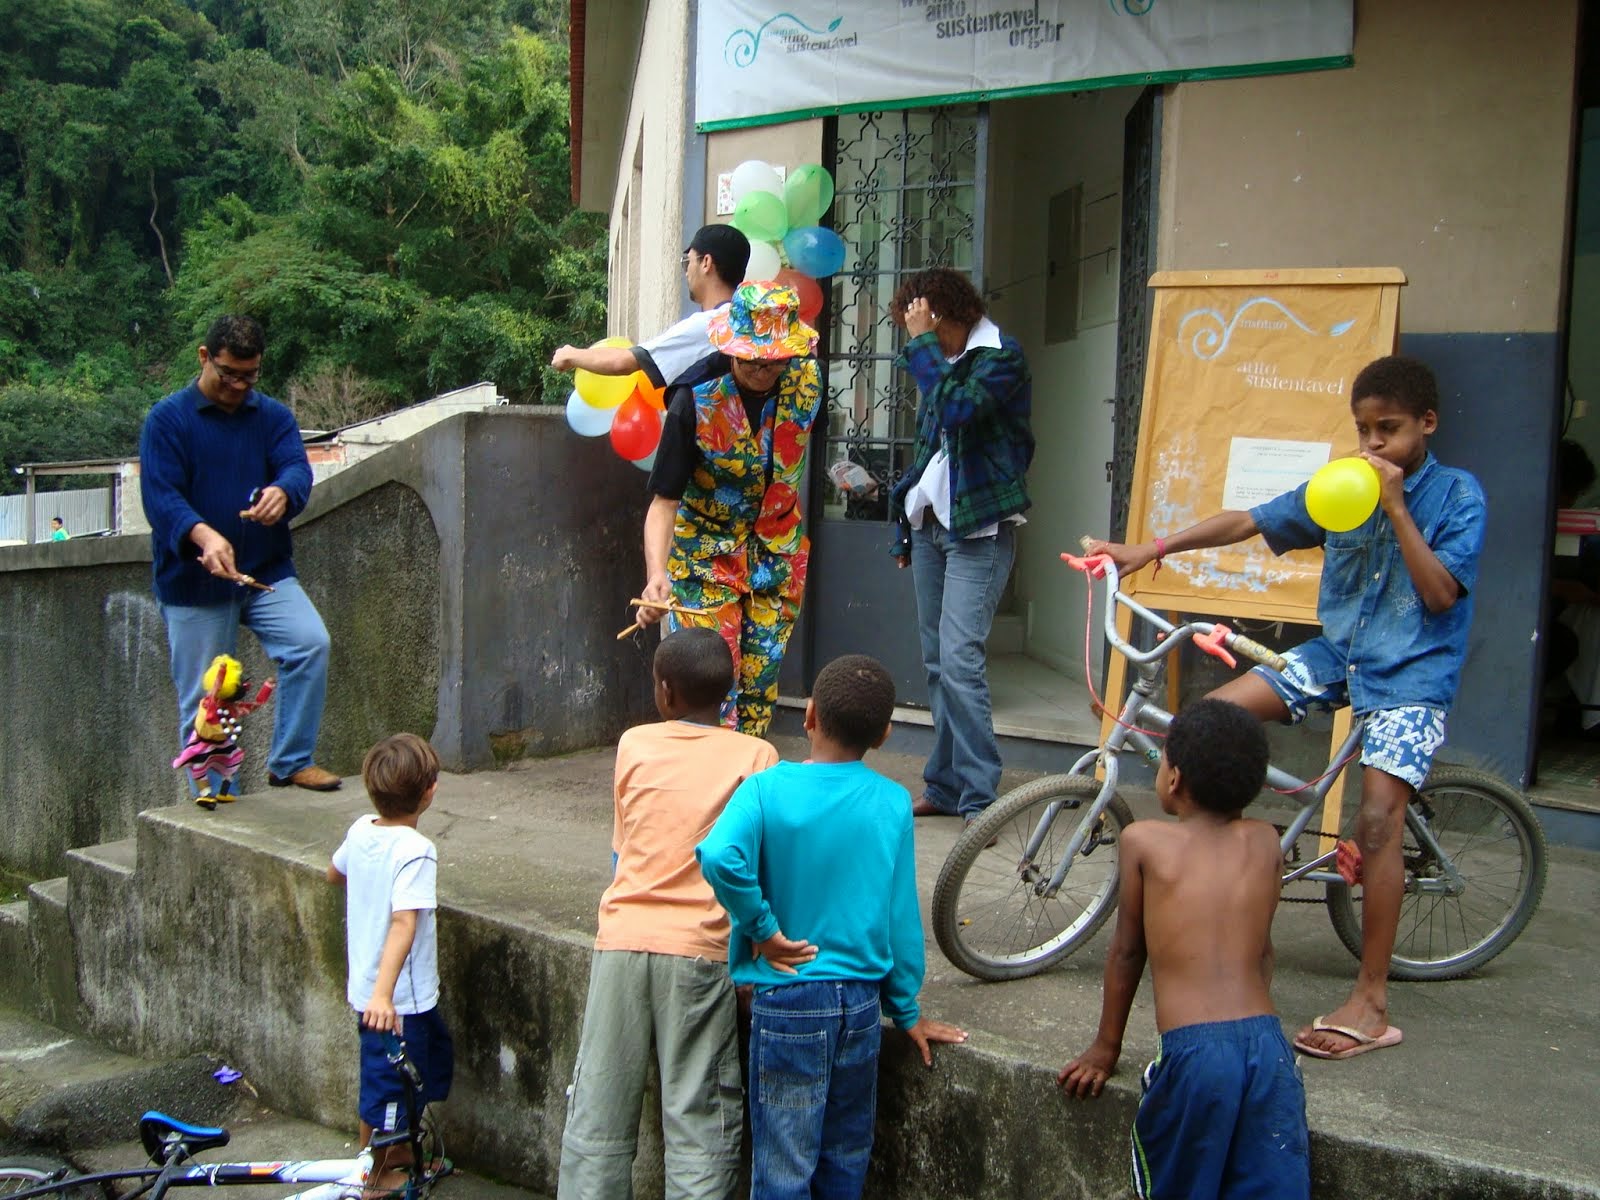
{"x":823,"y":850}
{"x":222,"y":471}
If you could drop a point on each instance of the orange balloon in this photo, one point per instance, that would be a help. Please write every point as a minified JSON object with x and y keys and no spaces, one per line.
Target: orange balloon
{"x":655,"y":397}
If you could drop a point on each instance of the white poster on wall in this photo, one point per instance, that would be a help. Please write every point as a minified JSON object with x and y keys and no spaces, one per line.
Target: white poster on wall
{"x":1260,"y":469}
{"x":762,"y":61}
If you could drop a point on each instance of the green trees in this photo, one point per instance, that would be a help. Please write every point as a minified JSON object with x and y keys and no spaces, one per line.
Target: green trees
{"x":383,"y":183}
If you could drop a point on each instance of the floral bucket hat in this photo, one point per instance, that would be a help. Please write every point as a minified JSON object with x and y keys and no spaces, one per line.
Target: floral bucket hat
{"x":762,"y":321}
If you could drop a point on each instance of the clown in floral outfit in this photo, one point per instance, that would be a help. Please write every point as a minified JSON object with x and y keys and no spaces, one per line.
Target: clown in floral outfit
{"x":723,"y":532}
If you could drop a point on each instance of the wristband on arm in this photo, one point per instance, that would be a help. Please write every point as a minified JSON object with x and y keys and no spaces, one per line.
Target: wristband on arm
{"x":1161,"y":553}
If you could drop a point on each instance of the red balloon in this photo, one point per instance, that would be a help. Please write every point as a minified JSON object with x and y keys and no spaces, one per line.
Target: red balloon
{"x":807,"y":289}
{"x":636,"y":431}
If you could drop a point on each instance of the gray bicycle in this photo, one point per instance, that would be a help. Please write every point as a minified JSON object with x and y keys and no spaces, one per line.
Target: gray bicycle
{"x":1475,"y":854}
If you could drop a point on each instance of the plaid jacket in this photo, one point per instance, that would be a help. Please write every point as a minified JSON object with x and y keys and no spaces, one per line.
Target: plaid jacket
{"x":981,"y":403}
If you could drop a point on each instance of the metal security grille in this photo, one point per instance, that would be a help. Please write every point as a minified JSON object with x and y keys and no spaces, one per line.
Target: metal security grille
{"x":910,"y":194}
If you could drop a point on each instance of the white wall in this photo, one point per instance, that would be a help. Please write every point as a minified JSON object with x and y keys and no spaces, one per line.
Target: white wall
{"x":646,"y":280}
{"x":1039,"y":147}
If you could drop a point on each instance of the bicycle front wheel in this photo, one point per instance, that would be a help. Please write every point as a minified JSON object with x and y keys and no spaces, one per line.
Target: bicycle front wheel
{"x":1456,"y":916}
{"x":988,"y":915}
{"x":26,"y":1172}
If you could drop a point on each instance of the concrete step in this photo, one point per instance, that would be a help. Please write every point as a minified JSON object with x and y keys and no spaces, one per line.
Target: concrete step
{"x":103,"y":884}
{"x":54,"y":954}
{"x":63,"y":1093}
{"x":16,"y":981}
{"x":1008,"y":634}
{"x":76,"y":1099}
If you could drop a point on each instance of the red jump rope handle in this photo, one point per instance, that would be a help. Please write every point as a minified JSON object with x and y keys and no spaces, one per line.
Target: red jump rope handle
{"x":1094,"y":565}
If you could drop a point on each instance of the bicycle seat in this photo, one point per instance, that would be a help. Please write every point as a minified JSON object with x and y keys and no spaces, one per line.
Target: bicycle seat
{"x":163,"y":1136}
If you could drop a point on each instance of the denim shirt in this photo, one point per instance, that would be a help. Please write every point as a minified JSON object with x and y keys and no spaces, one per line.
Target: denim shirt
{"x":1377,"y":634}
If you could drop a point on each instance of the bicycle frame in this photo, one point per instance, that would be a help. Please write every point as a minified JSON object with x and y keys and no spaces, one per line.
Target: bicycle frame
{"x":1140,"y":709}
{"x":338,"y":1177}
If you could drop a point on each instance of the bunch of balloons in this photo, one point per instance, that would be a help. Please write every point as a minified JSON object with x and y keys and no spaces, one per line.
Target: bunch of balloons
{"x":780,"y":217}
{"x":627,"y":407}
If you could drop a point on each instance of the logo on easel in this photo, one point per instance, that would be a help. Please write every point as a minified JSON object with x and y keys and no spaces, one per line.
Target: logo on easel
{"x":1212,"y":331}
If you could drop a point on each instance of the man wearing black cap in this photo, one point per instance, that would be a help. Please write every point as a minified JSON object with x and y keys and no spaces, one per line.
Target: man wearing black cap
{"x":713,"y":266}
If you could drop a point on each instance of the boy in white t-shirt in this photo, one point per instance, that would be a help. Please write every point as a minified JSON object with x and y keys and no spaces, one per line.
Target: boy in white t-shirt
{"x":390,"y":873}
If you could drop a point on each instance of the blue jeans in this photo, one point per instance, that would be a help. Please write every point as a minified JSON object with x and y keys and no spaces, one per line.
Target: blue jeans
{"x":813,"y":1089}
{"x":958,"y":588}
{"x":292,"y":635}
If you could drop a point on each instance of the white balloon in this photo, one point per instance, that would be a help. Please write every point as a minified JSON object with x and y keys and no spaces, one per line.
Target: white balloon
{"x":754,"y":176}
{"x":587,"y":420}
{"x":764,"y":261}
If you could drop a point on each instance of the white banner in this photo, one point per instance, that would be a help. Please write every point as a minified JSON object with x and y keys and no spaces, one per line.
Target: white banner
{"x":762,"y":61}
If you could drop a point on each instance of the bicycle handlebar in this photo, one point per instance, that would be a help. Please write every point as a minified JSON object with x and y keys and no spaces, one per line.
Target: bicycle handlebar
{"x":1210,"y":637}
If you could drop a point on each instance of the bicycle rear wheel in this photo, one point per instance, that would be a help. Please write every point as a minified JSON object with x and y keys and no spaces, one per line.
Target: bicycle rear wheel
{"x":987,"y":916}
{"x":28,"y":1171}
{"x":1494,"y":843}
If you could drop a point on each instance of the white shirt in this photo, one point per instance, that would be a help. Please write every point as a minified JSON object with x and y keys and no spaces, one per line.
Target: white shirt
{"x":932,"y":489}
{"x":673,"y":351}
{"x":389,"y":869}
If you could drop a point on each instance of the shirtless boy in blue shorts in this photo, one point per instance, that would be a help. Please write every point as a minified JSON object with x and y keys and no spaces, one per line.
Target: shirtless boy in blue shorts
{"x":1395,"y":606}
{"x":1224,"y":1111}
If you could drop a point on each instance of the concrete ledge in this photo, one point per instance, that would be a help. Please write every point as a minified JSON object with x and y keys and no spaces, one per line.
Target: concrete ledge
{"x":471,"y":591}
{"x":53,"y":954}
{"x":225,"y":940}
{"x":17,"y":987}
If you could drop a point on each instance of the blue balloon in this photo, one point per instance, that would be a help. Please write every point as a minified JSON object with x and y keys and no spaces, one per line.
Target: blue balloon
{"x":647,"y":462}
{"x":587,"y":420}
{"x":814,"y":251}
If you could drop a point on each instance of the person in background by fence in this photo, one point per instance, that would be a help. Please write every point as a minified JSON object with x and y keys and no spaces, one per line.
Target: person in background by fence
{"x":58,"y":530}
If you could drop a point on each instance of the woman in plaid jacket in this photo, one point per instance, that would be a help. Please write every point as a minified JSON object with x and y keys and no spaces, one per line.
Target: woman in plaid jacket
{"x":955,"y":513}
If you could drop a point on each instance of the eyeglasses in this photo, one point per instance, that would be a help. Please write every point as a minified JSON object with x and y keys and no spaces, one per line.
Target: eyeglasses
{"x":688,"y":257}
{"x":230,"y":375}
{"x":763,"y":364}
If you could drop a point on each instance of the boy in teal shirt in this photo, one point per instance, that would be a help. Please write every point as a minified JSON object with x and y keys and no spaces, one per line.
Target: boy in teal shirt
{"x":822,"y":849}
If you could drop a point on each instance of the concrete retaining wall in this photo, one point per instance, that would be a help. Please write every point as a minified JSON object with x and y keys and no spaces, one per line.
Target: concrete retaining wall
{"x":472,"y":579}
{"x":232,"y":945}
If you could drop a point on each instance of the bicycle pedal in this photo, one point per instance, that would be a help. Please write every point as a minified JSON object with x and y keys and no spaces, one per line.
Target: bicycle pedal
{"x":1347,"y":861}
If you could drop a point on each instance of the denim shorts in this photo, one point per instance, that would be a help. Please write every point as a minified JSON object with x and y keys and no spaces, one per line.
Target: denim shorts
{"x":1397,"y":741}
{"x":383,"y":1093}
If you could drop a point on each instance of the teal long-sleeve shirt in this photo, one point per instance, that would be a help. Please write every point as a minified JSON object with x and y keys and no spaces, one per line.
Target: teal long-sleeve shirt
{"x":824,"y":852}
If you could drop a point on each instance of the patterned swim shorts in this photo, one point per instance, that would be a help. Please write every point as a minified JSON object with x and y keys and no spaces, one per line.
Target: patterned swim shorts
{"x":1398,"y":741}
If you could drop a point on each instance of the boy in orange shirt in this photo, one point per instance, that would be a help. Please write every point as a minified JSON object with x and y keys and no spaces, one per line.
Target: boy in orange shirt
{"x":658,"y":984}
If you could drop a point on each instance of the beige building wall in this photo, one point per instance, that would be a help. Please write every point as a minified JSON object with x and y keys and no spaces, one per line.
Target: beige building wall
{"x":1444,"y":151}
{"x":786,"y":145}
{"x":646,"y":282}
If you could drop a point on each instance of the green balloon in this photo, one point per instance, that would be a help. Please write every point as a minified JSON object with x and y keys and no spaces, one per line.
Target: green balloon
{"x":807,"y":194}
{"x":761,"y":217}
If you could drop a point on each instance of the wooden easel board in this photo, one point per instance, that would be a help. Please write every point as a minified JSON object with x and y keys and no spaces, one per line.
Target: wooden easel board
{"x":1247,"y":392}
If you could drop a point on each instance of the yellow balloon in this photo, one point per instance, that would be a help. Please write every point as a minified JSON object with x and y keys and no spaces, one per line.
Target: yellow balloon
{"x":605,"y":391}
{"x":1342,"y":494}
